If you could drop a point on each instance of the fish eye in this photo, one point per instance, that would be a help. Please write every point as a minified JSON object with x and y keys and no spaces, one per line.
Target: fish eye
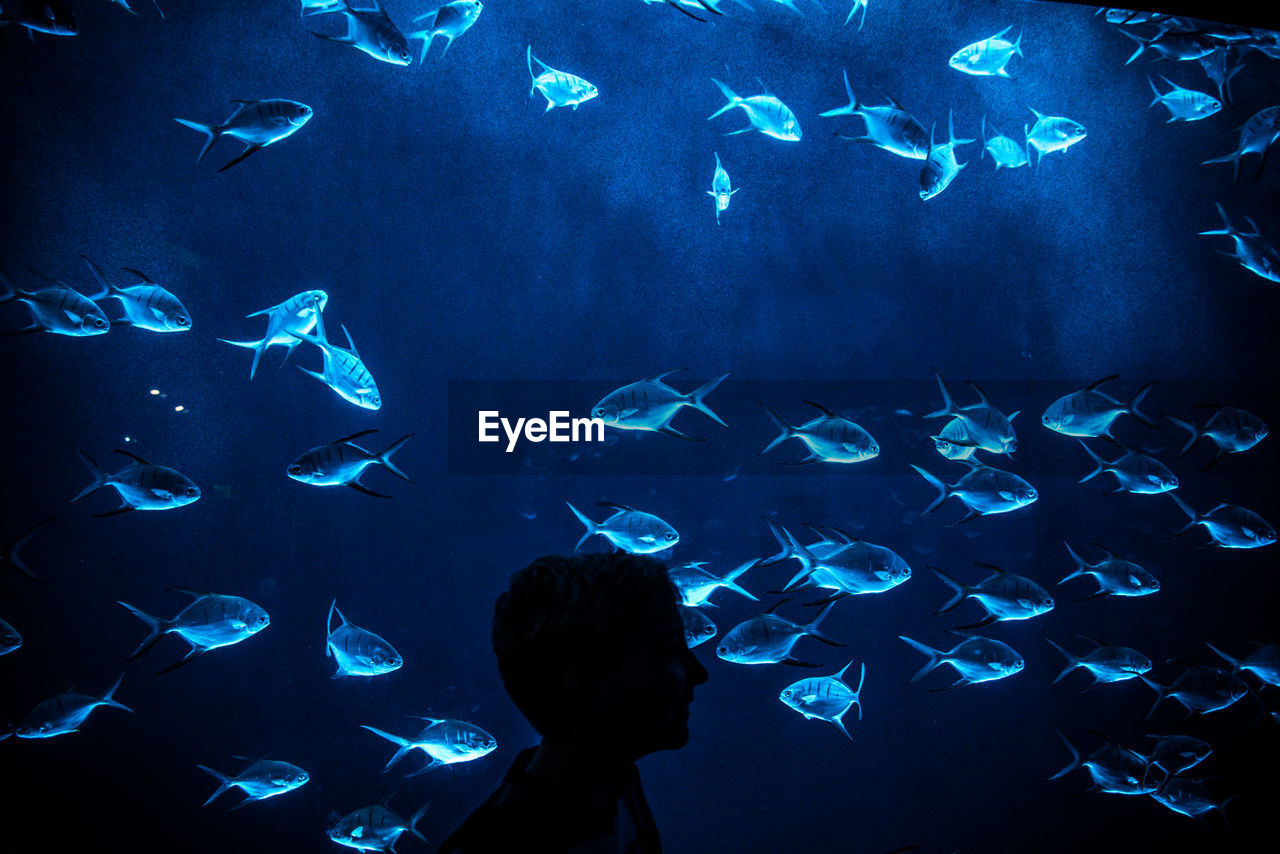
{"x":1048,"y":603}
{"x":295,"y":469}
{"x":182,"y":321}
{"x":670,"y":535}
{"x":722,"y":650}
{"x":1017,"y":665}
{"x":192,"y":491}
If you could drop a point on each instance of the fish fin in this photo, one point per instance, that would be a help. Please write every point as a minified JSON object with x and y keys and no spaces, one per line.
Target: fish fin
{"x":671,"y":431}
{"x":123,"y":508}
{"x":1072,"y":662}
{"x":591,"y":526}
{"x":1101,"y":466}
{"x":224,"y":783}
{"x":100,"y":477}
{"x":434,"y":763}
{"x":1132,"y":406}
{"x":1189,"y":427}
{"x":673,"y":4}
{"x":1213,"y":462}
{"x":249,"y":149}
{"x":156,"y":625}
{"x":141,"y":275}
{"x":10,"y":555}
{"x":312,"y":373}
{"x":107,"y":288}
{"x":1099,"y":595}
{"x":412,"y":827}
{"x":934,"y":655}
{"x":696,"y":398}
{"x":385,"y":457}
{"x":948,"y":405}
{"x":787,"y":430}
{"x":258,"y":347}
{"x":360,"y":487}
{"x":243,"y":803}
{"x":985,"y":621}
{"x":1235,"y":665}
{"x":191,"y":653}
{"x":132,"y":456}
{"x":732,"y":101}
{"x":943,"y":489}
{"x":960,"y":591}
{"x":968,"y":517}
{"x":730,"y":580}
{"x":795,"y":662}
{"x":403,"y":744}
{"x":209,"y":130}
{"x":1075,"y":754}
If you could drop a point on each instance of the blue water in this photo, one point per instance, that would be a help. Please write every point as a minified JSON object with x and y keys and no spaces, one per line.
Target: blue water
{"x":487,"y":254}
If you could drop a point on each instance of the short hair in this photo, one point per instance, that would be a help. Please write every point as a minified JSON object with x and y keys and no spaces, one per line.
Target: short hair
{"x":560,"y":611}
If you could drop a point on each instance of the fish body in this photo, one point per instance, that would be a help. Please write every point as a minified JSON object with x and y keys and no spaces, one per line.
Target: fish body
{"x":1003,"y":595}
{"x":1200,"y":690}
{"x":696,"y":584}
{"x":295,"y":316}
{"x":650,"y":404}
{"x":629,"y":530}
{"x":1115,"y":576}
{"x":720,"y":188}
{"x":698,"y":627}
{"x":765,"y":113}
{"x":1219,"y":68}
{"x":940,"y":166}
{"x":826,"y":698}
{"x":58,"y":308}
{"x":450,"y":21}
{"x":375,"y":827}
{"x":830,"y":438}
{"x":1254,"y":254}
{"x":889,"y":126}
{"x":65,"y":713}
{"x":146,"y":304}
{"x":209,"y":621}
{"x":984,"y":490}
{"x":141,"y":485}
{"x":1171,"y":45}
{"x":1129,"y":16}
{"x":1264,"y":662}
{"x":1107,"y":663}
{"x":342,"y":462}
{"x":10,"y":639}
{"x":1257,"y":135}
{"x":840,"y":562}
{"x":372,"y":31}
{"x":1230,"y":526}
{"x":1053,"y":133}
{"x":1184,"y":105}
{"x":1134,"y":471}
{"x":1004,"y":151}
{"x":989,"y":429}
{"x":1186,"y":796}
{"x":357,"y":651}
{"x":262,"y":779}
{"x":1232,"y":430}
{"x":988,"y":57}
{"x":255,"y":123}
{"x":1114,"y":769}
{"x":344,"y":371}
{"x":1090,"y":412}
{"x":445,"y":741}
{"x":1178,"y":753}
{"x":560,"y":88}
{"x":51,"y":17}
{"x":953,"y":440}
{"x":976,"y":659}
{"x":768,"y":639}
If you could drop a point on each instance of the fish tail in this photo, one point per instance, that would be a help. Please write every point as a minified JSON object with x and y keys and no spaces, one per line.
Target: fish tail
{"x":733,"y":99}
{"x":1132,"y":406}
{"x":417,"y":817}
{"x":100,"y":477}
{"x":852,"y":108}
{"x":1101,"y":466}
{"x":1080,"y":564}
{"x":528,"y":58}
{"x":209,"y":130}
{"x":948,"y":405}
{"x":812,"y":629}
{"x":1195,"y":519}
{"x":1159,"y":94}
{"x":787,"y":430}
{"x":1161,"y":693}
{"x":960,"y":590}
{"x":778,"y":534}
{"x":1142,"y":45}
{"x":1072,"y":662}
{"x":591,"y":526}
{"x":402,"y":743}
{"x":1189,"y":427}
{"x":107,"y":288}
{"x":157,"y":626}
{"x":695,"y":398}
{"x":935,"y":657}
{"x":944,"y":492}
{"x":731,"y":580}
{"x":982,"y":153}
{"x":224,"y":783}
{"x":384,"y":458}
{"x":109,"y":698}
{"x":1235,"y":665}
{"x":1075,"y":754}
{"x":256,"y":346}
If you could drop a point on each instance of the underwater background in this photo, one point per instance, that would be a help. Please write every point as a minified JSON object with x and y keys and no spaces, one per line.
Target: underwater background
{"x":486,"y":253}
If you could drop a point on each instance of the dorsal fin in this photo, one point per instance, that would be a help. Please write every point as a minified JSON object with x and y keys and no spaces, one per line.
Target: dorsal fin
{"x":195,"y":594}
{"x":615,"y":506}
{"x":822,"y":408}
{"x":133,"y":456}
{"x":776,"y":605}
{"x":346,"y":439}
{"x":991,"y":566}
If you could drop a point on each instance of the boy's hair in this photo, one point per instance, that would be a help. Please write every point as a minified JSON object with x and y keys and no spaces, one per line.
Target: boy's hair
{"x":561,"y":611}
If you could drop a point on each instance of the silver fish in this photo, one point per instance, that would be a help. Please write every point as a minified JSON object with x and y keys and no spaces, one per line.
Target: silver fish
{"x":1105,"y":662}
{"x":65,"y":713}
{"x":1184,"y":105}
{"x":1003,"y":595}
{"x":984,"y":490}
{"x":51,"y":17}
{"x":826,"y":698}
{"x":1115,"y":576}
{"x":720,"y":188}
{"x":1187,"y":797}
{"x":209,"y":621}
{"x":141,"y":485}
{"x":1134,"y":471}
{"x":1172,"y":45}
{"x":1257,"y":135}
{"x":146,"y":304}
{"x":650,"y":404}
{"x":10,"y":639}
{"x":1175,"y":754}
{"x":976,"y":659}
{"x":450,"y":20}
{"x":444,"y":740}
{"x":1253,"y":253}
{"x":1053,"y":133}
{"x":57,"y":308}
{"x":629,"y":529}
{"x":372,"y":31}
{"x":839,"y":562}
{"x":940,"y":165}
{"x":262,"y":779}
{"x":989,"y":429}
{"x":296,"y":314}
{"x":1200,"y":690}
{"x":342,"y":462}
{"x":1114,"y":769}
{"x":698,"y":627}
{"x":1232,"y":430}
{"x":344,"y":371}
{"x":765,"y":113}
{"x":1263,"y":662}
{"x":987,"y":57}
{"x":357,"y":651}
{"x":1003,"y":150}
{"x":560,"y":88}
{"x":376,"y":827}
{"x":695,"y":584}
{"x":889,"y":126}
{"x":829,"y":438}
{"x":769,"y":639}
{"x":1090,"y":412}
{"x":256,"y":123}
{"x":1229,"y":525}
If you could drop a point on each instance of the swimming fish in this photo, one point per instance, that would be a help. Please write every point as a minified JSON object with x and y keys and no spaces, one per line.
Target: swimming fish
{"x":989,"y":429}
{"x":450,"y":20}
{"x":1053,"y":133}
{"x":1115,"y":576}
{"x":342,"y":462}
{"x":857,"y":4}
{"x":344,"y":371}
{"x":976,"y":659}
{"x":146,"y":304}
{"x":141,"y":485}
{"x":1113,"y":769}
{"x":629,"y":529}
{"x":376,"y":827}
{"x":560,"y":88}
{"x":65,"y":713}
{"x":1263,"y":662}
{"x":650,"y":404}
{"x":769,"y":639}
{"x":1188,"y":797}
{"x":321,"y":7}
{"x":209,"y":621}
{"x":826,"y":698}
{"x":1218,"y":67}
{"x":1175,"y":754}
{"x":357,"y":651}
{"x":962,"y":448}
{"x":984,"y":490}
{"x":10,"y":639}
{"x":57,"y":308}
{"x":940,"y":165}
{"x":1257,"y":135}
{"x":1229,"y":525}
{"x":698,"y":627}
{"x":1172,"y":45}
{"x":1184,"y":105}
{"x":1003,"y":595}
{"x":1253,"y":253}
{"x":1107,"y":663}
{"x":1200,"y":690}
{"x":1003,"y":150}
{"x":296,"y":314}
{"x":444,"y":740}
{"x":1134,"y":471}
{"x":262,"y":779}
{"x":10,"y":556}
{"x":889,"y":126}
{"x":720,"y":189}
{"x":696,"y":584}
{"x":372,"y":31}
{"x":256,"y":123}
{"x":988,"y":57}
{"x":1232,"y":430}
{"x":765,"y":113}
{"x":839,"y":562}
{"x":1091,"y":412}
{"x":52,"y":17}
{"x":829,"y":437}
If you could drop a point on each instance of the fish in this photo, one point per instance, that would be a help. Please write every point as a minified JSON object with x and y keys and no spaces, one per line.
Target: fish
{"x":988,"y":57}
{"x":1199,"y":689}
{"x":1003,"y":150}
{"x":51,"y":17}
{"x":962,"y":448}
{"x":1187,"y":797}
{"x":57,"y":308}
{"x":989,"y":429}
{"x":1105,"y":662}
{"x":255,"y":123}
{"x":373,"y":32}
{"x":984,"y":490}
{"x":1115,"y":576}
{"x":695,"y":584}
{"x":1229,"y":525}
{"x":940,"y":165}
{"x":720,"y":188}
{"x":10,"y":556}
{"x":262,"y":779}
{"x":10,"y":639}
{"x":1134,"y":471}
{"x":357,"y":651}
{"x":1129,"y":16}
{"x":342,"y":462}
{"x":560,"y":88}
{"x":826,"y":698}
{"x":698,"y":627}
{"x":1175,"y":754}
{"x":344,"y":371}
{"x":1253,"y":253}
{"x":769,"y":639}
{"x":1172,"y":45}
{"x":1257,"y":135}
{"x":141,"y":485}
{"x":1089,"y":412}
{"x":1232,"y":430}
{"x":1053,"y":133}
{"x":1114,"y":769}
{"x":146,"y":304}
{"x":1003,"y":595}
{"x":209,"y":621}
{"x":445,"y":741}
{"x":976,"y":659}
{"x":857,"y":4}
{"x":888,"y":126}
{"x":1219,"y":69}
{"x":376,"y":827}
{"x":765,"y":113}
{"x":629,"y":529}
{"x":321,"y":7}
{"x":450,"y":20}
{"x":1184,"y":105}
{"x":65,"y":713}
{"x":1263,"y":662}
{"x":650,"y":404}
{"x":830,"y":438}
{"x":839,"y":562}
{"x":684,"y":6}
{"x":296,"y":314}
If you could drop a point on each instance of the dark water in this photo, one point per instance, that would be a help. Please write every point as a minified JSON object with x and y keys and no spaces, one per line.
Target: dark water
{"x":485,"y":254}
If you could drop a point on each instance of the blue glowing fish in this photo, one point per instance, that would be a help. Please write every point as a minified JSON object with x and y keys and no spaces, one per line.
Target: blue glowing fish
{"x":445,"y":741}
{"x":1187,"y":797}
{"x":765,"y":113}
{"x":720,"y":188}
{"x":769,"y":639}
{"x":976,"y":659}
{"x":376,"y":827}
{"x":1231,"y":430}
{"x":989,"y":429}
{"x":146,"y":305}
{"x":650,"y":404}
{"x":889,"y":126}
{"x":1090,"y":412}
{"x":65,"y":713}
{"x":51,"y":17}
{"x":826,"y":698}
{"x":1175,"y":46}
{"x":344,"y":371}
{"x":839,"y":562}
{"x":210,"y":621}
{"x":1115,"y":576}
{"x":255,"y":123}
{"x":372,"y":31}
{"x":698,"y":627}
{"x":1053,"y":133}
{"x":940,"y":165}
{"x":57,"y":308}
{"x":984,"y":490}
{"x":1003,"y":150}
{"x":1229,"y":525}
{"x":560,"y":88}
{"x":953,"y":440}
{"x":1254,"y":254}
{"x":450,"y":21}
{"x":696,"y":584}
{"x":1134,"y":471}
{"x":1175,"y":754}
{"x":262,"y":779}
{"x":10,"y":639}
{"x":297,"y":314}
{"x":1200,"y":690}
{"x":629,"y":529}
{"x":141,"y":485}
{"x":1263,"y":662}
{"x":1184,"y":105}
{"x":342,"y":462}
{"x":988,"y":57}
{"x":357,"y":651}
{"x":1005,"y":596}
{"x":1114,"y":769}
{"x":829,"y":438}
{"x":1257,"y":135}
{"x":1107,"y":663}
